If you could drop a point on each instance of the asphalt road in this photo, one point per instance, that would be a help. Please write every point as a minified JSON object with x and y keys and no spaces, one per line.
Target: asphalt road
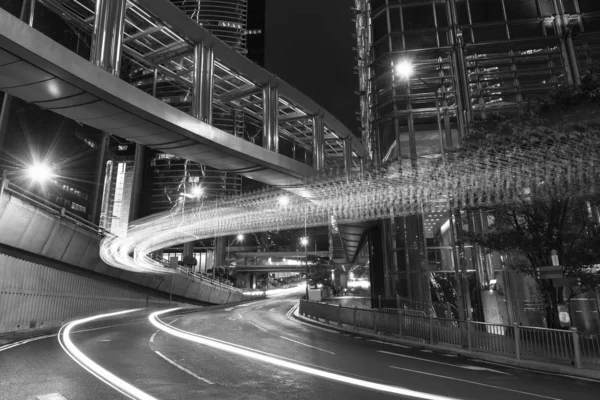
{"x":243,"y":355}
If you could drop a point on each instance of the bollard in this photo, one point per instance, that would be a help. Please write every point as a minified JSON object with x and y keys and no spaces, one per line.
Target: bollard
{"x":469,"y":343}
{"x":354,"y":316}
{"x":576,"y":348}
{"x":517,"y":341}
{"x":431,"y":341}
{"x":340,"y":315}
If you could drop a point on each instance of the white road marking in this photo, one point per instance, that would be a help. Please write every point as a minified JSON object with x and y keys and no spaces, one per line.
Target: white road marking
{"x":357,"y":337}
{"x":244,"y":305}
{"x":175,"y":320}
{"x":475,"y":383}
{"x":152,"y":337}
{"x":450,"y":355}
{"x":85,"y":362}
{"x":307,"y":345}
{"x":259,"y":327}
{"x":271,"y":310}
{"x":15,"y":344}
{"x":443,"y":363}
{"x":323,"y":329}
{"x":184,"y":369}
{"x":105,"y":340}
{"x":389,"y":344}
{"x":258,"y":308}
{"x":427,"y":351}
{"x":229,"y":309}
{"x":289,"y":364}
{"x":240,"y":315}
{"x":51,"y":396}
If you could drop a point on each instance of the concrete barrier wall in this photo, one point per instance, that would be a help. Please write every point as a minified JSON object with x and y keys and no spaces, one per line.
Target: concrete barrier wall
{"x":26,"y":227}
{"x":33,"y":296}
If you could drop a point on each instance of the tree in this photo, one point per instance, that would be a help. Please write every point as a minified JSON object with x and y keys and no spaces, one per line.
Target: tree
{"x":530,"y":229}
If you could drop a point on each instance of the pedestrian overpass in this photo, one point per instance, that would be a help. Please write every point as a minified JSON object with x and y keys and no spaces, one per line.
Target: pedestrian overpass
{"x":181,"y":55}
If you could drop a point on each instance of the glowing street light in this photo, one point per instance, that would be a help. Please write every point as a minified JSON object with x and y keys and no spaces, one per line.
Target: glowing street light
{"x":240,"y":237}
{"x":39,"y":172}
{"x":197,"y":191}
{"x":283,"y":200}
{"x":404,"y":69}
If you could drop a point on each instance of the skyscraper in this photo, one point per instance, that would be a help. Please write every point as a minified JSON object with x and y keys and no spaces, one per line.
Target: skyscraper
{"x":427,"y":69}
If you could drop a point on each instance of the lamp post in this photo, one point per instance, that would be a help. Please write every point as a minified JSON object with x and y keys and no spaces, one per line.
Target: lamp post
{"x":304,"y":242}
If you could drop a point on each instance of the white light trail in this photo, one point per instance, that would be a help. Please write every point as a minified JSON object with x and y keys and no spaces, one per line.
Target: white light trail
{"x":84,"y":361}
{"x":267,"y":358}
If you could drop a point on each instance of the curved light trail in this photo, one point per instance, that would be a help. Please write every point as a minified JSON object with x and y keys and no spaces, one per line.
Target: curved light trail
{"x":64,"y":338}
{"x":564,"y":168}
{"x":267,"y":358}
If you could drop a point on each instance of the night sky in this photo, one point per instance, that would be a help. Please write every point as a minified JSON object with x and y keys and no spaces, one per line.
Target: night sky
{"x":308,"y":43}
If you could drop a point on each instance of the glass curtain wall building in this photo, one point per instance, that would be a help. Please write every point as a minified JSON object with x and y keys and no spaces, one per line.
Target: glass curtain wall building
{"x":427,"y":68}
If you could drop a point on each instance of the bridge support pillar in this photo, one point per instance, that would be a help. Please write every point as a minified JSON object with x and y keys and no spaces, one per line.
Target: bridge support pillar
{"x":107,"y":42}
{"x":107,"y":45}
{"x":271,"y":118}
{"x":204,"y":62}
{"x":318,"y":142}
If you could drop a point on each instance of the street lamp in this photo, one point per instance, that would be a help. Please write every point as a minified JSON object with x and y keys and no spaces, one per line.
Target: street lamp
{"x":404,"y":69}
{"x":304,"y":242}
{"x":283,"y":200}
{"x":37,"y":172}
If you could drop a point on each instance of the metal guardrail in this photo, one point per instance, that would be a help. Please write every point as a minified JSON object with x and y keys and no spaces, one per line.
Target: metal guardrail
{"x":568,"y":346}
{"x":213,"y":282}
{"x":61,"y":212}
{"x":34,"y":199}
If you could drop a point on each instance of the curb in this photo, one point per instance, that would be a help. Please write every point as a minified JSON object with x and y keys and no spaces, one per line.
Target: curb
{"x":535,"y":366}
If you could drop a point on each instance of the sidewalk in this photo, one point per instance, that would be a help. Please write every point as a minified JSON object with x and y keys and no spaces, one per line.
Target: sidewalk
{"x":589,"y":372}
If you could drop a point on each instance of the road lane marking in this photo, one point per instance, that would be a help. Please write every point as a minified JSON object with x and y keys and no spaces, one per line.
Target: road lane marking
{"x":105,"y":340}
{"x":240,"y":315}
{"x":51,"y":396}
{"x":184,"y":369}
{"x":152,"y":337}
{"x":271,"y":310}
{"x":229,"y":309}
{"x":272,"y":359}
{"x":259,"y":327}
{"x":475,"y":383}
{"x":474,"y":368}
{"x":427,"y":351}
{"x":64,"y":339}
{"x":389,"y":344}
{"x":244,"y":305}
{"x":175,"y":320}
{"x":307,"y":345}
{"x":535,"y":371}
{"x":358,"y":337}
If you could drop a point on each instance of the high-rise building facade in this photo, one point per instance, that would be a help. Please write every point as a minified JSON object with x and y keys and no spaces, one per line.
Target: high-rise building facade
{"x":427,"y":69}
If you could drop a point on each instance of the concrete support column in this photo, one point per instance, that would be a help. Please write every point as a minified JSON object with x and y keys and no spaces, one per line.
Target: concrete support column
{"x":107,"y":42}
{"x":271,"y":118}
{"x":318,"y":142}
{"x":188,"y":250}
{"x":348,"y":156}
{"x":220,"y":251}
{"x":202,"y":99}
